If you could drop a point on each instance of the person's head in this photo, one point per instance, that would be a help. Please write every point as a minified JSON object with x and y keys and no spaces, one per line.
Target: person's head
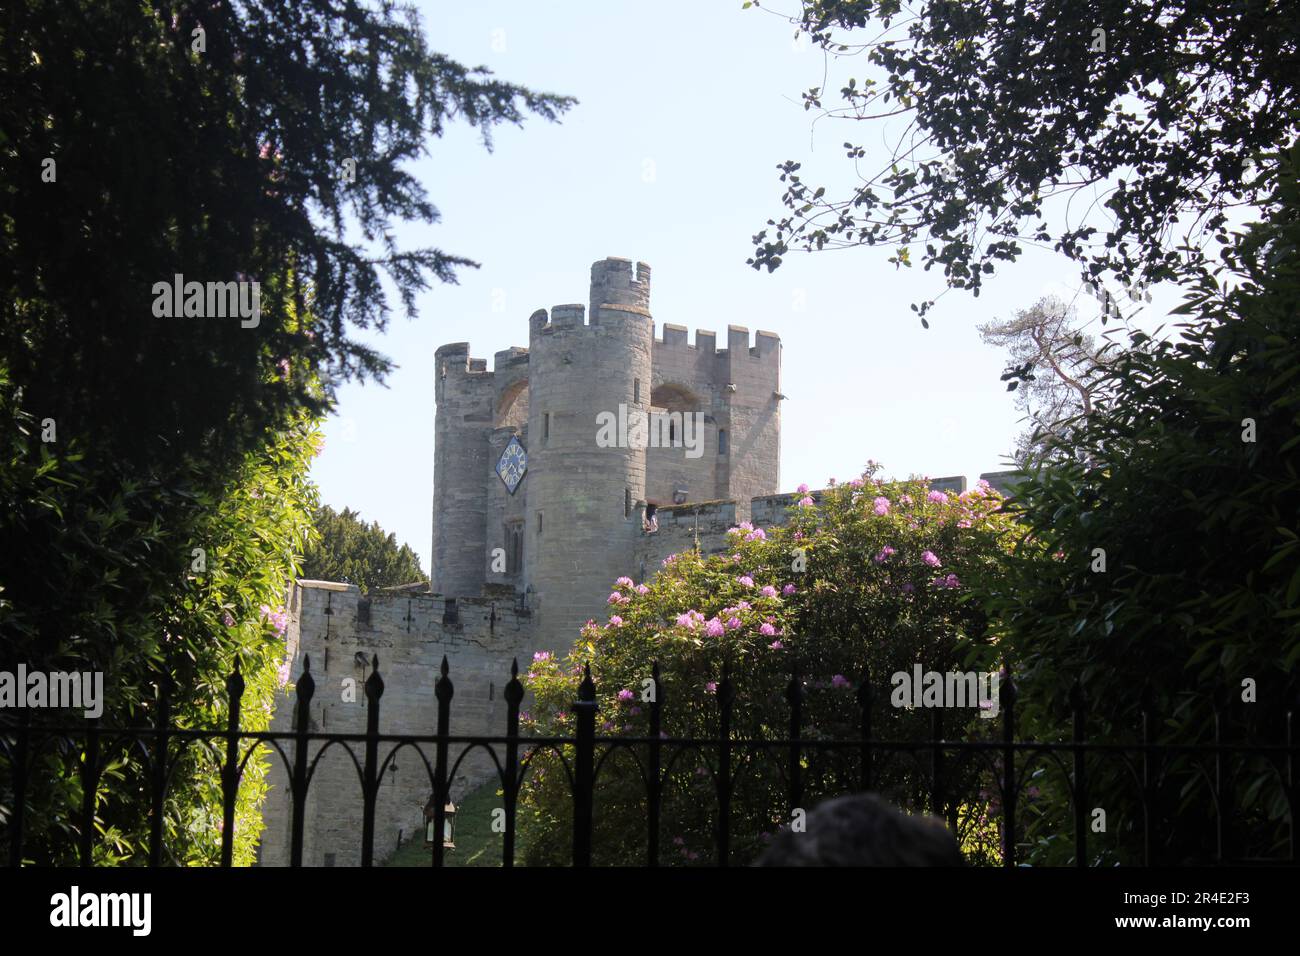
{"x":863,"y":830}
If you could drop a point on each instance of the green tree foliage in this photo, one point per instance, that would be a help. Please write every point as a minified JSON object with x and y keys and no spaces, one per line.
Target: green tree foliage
{"x":847,"y":586}
{"x":1052,"y":362}
{"x":244,"y":141}
{"x":350,"y":550}
{"x":1185,"y":476}
{"x":149,"y":583}
{"x":1004,"y":110}
{"x":214,"y":140}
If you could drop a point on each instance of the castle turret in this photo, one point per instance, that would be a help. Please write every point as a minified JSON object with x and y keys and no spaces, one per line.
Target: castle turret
{"x":464,"y":393}
{"x":582,"y":493}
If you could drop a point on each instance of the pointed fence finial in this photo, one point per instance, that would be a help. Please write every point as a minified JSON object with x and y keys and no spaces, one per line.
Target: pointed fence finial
{"x":1077,"y":697}
{"x":514,"y":689}
{"x":587,"y":689}
{"x":374,"y":683}
{"x":864,"y":689}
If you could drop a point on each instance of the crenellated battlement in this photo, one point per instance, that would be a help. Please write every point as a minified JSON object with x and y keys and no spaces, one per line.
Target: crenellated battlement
{"x":574,"y":317}
{"x":616,"y":281}
{"x":673,"y":337}
{"x":455,"y":359}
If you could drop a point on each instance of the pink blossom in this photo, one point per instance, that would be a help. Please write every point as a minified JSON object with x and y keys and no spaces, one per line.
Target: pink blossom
{"x":776,"y":646}
{"x":881,"y":505}
{"x":228,"y":620}
{"x":617,"y":598}
{"x":855,"y":483}
{"x":615,"y":621}
{"x":930,"y":558}
{"x":806,"y":502}
{"x":768,"y":591}
{"x":938,"y":497}
{"x":542,"y":656}
{"x":839,"y":682}
{"x":624,"y":582}
{"x":758,"y":534}
{"x":885,"y":553}
{"x":733,"y":623}
{"x":713,"y":627}
{"x":802,"y":489}
{"x":625,"y":694}
{"x":691,"y":619}
{"x":278,"y":619}
{"x":767,"y":630}
{"x":711,"y":687}
{"x":746,"y":580}
{"x":642,"y":589}
{"x":904,"y":499}
{"x":788,"y":590}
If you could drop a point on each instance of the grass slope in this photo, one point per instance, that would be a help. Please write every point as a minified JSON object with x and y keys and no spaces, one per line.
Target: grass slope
{"x":476,"y":843}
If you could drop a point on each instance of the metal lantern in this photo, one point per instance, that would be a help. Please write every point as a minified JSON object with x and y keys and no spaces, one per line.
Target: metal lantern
{"x":448,"y":824}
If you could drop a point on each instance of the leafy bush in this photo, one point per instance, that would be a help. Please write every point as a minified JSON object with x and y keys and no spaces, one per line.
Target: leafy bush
{"x":871,"y":579}
{"x":1196,"y":510}
{"x":108,"y":582}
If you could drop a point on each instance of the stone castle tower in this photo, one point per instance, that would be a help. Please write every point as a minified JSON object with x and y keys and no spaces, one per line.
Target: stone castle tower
{"x":561,"y":515}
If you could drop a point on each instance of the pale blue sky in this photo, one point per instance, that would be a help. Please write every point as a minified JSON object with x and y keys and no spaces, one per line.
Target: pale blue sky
{"x":686,"y":107}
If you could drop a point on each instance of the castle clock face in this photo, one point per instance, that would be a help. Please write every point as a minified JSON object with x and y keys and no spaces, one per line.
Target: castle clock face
{"x":512,"y":465}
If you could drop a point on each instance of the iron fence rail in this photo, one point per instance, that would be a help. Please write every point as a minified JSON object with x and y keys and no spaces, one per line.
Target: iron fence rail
{"x":512,"y":754}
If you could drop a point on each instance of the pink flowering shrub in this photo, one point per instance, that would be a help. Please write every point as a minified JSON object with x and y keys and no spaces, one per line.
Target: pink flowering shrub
{"x":870,"y":597}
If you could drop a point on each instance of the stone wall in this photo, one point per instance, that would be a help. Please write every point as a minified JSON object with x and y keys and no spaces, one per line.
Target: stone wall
{"x":738,"y":390}
{"x":410,"y":632}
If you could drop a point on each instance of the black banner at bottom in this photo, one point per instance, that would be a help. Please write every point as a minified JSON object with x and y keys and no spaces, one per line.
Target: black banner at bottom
{"x":131,"y":906}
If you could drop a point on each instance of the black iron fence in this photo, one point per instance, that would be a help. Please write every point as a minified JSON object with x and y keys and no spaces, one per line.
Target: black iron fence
{"x":584,"y":753}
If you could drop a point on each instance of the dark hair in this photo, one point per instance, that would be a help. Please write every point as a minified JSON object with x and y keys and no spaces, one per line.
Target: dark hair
{"x":650,"y":510}
{"x":863,"y":830}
